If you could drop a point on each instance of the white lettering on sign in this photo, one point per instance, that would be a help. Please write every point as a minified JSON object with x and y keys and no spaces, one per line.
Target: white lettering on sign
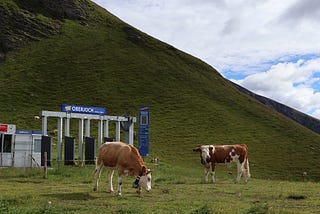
{"x":82,"y":109}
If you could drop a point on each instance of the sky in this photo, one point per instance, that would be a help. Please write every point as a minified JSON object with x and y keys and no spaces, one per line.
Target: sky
{"x":270,"y":47}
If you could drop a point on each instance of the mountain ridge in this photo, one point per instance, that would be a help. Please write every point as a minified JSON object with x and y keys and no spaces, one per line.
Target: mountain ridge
{"x":299,"y":117}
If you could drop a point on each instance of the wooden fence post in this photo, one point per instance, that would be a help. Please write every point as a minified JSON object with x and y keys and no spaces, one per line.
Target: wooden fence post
{"x":45,"y":166}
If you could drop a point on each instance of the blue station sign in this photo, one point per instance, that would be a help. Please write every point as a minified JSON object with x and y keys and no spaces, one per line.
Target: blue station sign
{"x":28,"y":132}
{"x":83,"y":109}
{"x":144,"y":125}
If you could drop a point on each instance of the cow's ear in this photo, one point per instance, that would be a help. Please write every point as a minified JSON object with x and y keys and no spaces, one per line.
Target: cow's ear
{"x":197,"y":149}
{"x":144,"y":170}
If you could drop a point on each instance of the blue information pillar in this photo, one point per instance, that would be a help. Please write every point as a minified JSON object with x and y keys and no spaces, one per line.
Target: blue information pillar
{"x":144,"y":124}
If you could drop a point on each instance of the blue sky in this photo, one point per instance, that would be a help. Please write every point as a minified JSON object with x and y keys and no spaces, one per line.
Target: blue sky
{"x":270,"y":47}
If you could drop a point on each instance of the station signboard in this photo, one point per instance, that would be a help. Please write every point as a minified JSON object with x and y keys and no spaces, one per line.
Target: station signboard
{"x":83,"y":109}
{"x":30,"y":132}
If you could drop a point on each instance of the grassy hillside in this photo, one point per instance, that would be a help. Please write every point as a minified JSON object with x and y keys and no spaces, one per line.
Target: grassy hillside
{"x":101,"y":61}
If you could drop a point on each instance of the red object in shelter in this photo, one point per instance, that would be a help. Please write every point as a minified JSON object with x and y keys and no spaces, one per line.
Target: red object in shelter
{"x":3,"y":127}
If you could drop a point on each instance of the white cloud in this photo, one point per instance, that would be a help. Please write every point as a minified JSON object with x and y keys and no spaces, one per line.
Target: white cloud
{"x":290,"y":83}
{"x":259,"y":40}
{"x":229,"y":35}
{"x":306,"y":10}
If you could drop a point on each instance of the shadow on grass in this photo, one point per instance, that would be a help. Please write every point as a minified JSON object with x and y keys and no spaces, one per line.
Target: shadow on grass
{"x":72,"y":196}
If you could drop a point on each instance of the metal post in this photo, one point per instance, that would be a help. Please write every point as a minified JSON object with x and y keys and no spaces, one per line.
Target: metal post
{"x":100,"y":130}
{"x":80,"y":138}
{"x":87,"y":128}
{"x":44,"y":126}
{"x":59,"y":142}
{"x":106,"y":128}
{"x":118,"y":131}
{"x":131,"y":131}
{"x":67,"y":126}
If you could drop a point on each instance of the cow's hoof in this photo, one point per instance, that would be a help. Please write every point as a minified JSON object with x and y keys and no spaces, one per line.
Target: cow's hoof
{"x":95,"y":188}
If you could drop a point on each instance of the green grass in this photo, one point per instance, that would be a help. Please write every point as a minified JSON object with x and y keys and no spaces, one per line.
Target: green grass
{"x":107,"y":63}
{"x":175,"y":190}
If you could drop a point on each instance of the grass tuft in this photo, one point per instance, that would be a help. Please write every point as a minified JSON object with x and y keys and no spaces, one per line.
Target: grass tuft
{"x":260,"y":208}
{"x":203,"y":210}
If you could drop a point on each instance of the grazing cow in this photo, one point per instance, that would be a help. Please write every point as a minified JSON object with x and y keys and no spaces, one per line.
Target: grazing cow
{"x":127,"y":160}
{"x":211,"y":155}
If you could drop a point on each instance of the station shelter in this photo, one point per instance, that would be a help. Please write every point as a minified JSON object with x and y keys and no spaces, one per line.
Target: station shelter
{"x":19,"y":148}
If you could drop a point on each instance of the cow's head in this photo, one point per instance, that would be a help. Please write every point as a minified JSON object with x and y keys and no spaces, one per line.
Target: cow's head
{"x":144,"y":179}
{"x":205,"y":151}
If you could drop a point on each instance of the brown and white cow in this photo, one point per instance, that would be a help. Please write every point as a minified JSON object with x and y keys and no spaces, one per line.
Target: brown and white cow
{"x":216,"y":154}
{"x":127,"y":160}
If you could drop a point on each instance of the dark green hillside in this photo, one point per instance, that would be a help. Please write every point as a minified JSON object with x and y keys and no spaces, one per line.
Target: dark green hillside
{"x":98,"y":60}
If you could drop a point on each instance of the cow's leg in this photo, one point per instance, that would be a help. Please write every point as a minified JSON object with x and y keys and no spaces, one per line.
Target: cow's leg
{"x":119,"y":184}
{"x":139,"y":190}
{"x":212,"y":170}
{"x":206,"y":173}
{"x":97,"y":173}
{"x":240,"y":169}
{"x":248,"y":169}
{"x":246,"y":175}
{"x":110,"y":174}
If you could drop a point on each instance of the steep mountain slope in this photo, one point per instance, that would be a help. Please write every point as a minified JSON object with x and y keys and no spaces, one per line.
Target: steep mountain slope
{"x":100,"y":61}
